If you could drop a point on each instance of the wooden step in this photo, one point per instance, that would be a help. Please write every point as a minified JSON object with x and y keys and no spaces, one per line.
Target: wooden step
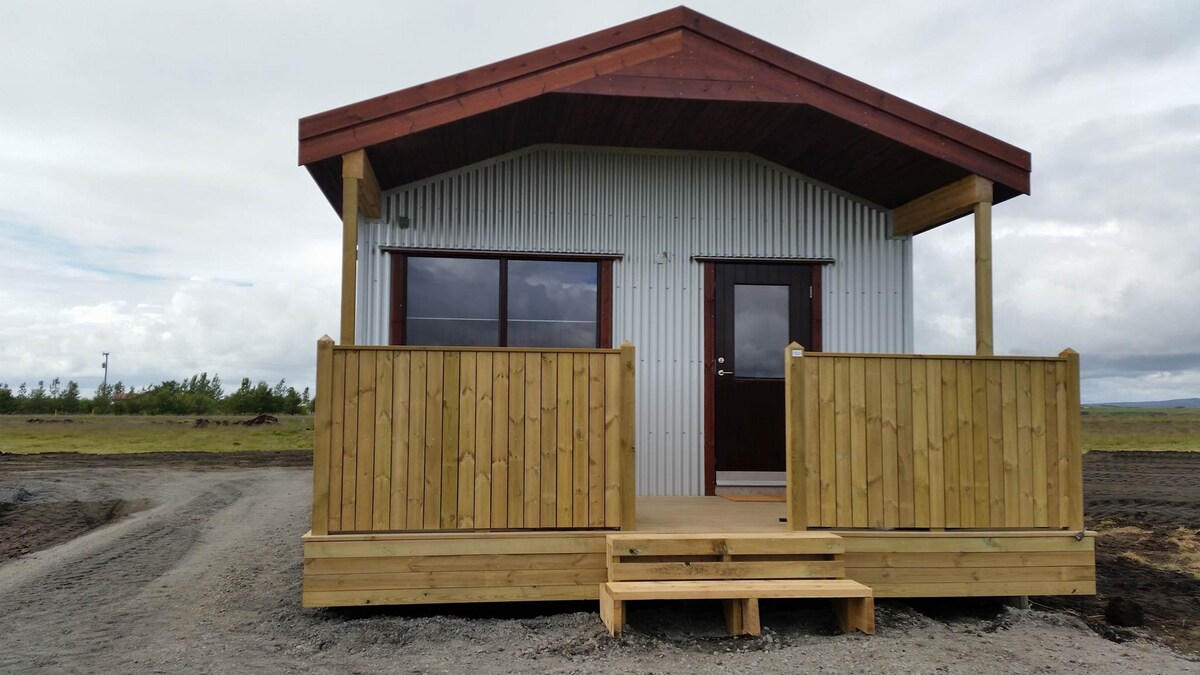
{"x":740,"y":543}
{"x":854,"y":603}
{"x":690,"y":557}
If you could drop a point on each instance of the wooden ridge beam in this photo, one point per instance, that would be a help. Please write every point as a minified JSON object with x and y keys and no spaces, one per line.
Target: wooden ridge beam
{"x":941,"y":206}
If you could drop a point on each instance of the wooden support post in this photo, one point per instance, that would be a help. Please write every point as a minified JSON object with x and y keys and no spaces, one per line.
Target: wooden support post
{"x":360,"y":196}
{"x":628,"y":439}
{"x":855,"y":614}
{"x":1074,"y":448}
{"x":984,"y":343}
{"x":322,"y":436}
{"x":796,"y":471}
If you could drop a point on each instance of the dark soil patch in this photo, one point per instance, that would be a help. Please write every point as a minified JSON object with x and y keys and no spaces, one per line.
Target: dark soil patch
{"x":26,"y":527}
{"x":199,"y":461}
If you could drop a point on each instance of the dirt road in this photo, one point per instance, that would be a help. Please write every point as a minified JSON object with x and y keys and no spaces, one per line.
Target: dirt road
{"x":206,"y":578}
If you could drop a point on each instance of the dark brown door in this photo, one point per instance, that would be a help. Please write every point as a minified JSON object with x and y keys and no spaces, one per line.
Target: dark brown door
{"x":757,"y":310}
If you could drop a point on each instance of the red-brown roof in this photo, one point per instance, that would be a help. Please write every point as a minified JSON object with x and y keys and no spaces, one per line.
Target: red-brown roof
{"x":676,"y":79}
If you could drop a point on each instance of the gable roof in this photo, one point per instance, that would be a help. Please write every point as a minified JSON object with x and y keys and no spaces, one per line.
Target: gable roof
{"x":676,"y":79}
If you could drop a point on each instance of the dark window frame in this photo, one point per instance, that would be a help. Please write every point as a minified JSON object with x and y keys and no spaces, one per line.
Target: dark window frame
{"x":399,"y":291}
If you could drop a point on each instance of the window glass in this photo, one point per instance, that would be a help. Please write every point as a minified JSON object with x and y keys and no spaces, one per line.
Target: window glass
{"x":453,"y":302}
{"x":552,"y":303}
{"x":760,"y":329}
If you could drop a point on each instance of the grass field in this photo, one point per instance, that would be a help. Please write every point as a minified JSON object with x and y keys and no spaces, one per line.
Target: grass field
{"x":1141,"y":428}
{"x":104,"y":434}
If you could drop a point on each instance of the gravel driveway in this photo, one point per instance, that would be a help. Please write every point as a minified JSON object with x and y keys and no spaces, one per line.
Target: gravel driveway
{"x":207,"y":579}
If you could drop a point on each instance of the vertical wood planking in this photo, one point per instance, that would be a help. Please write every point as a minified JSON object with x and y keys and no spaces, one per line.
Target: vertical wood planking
{"x":350,"y":443}
{"x":337,"y":411}
{"x":322,"y":429}
{"x":812,"y":442}
{"x":365,"y":485}
{"x":1037,"y":383}
{"x":628,"y":437}
{"x":979,"y":443}
{"x":1053,"y":514}
{"x":595,"y":440}
{"x":549,"y":442}
{"x":401,"y":368}
{"x":1008,"y":410}
{"x":874,"y":442}
{"x":466,"y":439}
{"x":612,"y":441}
{"x":381,"y":498}
{"x":483,"y":440}
{"x":794,"y":435}
{"x":858,"y":443}
{"x":827,"y":425}
{"x":937,"y":460}
{"x":841,"y":415}
{"x":579,"y":441}
{"x":905,"y":478}
{"x":966,"y":445}
{"x":437,"y":402}
{"x":995,"y":442}
{"x":533,"y":439}
{"x":1024,"y":443}
{"x":1064,"y":450}
{"x":516,"y":440}
{"x":1074,"y":442}
{"x":564,"y":443}
{"x":889,"y":443}
{"x":417,"y":429}
{"x":953,"y":491}
{"x":501,"y":488}
{"x":921,"y":434}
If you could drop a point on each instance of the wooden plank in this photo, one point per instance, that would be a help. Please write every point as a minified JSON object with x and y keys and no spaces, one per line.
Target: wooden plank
{"x":612,"y":440}
{"x":401,"y":369}
{"x":794,"y":435}
{"x":812,"y":443}
{"x":337,"y":436}
{"x":727,"y":590}
{"x":322,"y":436}
{"x":676,"y":544}
{"x":966,"y":444}
{"x":937,"y":462}
{"x":1024,"y":444}
{"x":427,"y":596}
{"x":500,"y":485}
{"x":874,"y":443}
{"x":628,"y":436}
{"x":579,"y":440}
{"x":950,"y":476}
{"x":595,"y":440}
{"x":549,"y":442}
{"x":1037,"y":383}
{"x":855,"y":614}
{"x":921,"y":433}
{"x":995,"y":442}
{"x":483,"y":440}
{"x":564,"y":444}
{"x":1050,"y":397}
{"x":441,"y":422}
{"x":979,"y":443}
{"x":1008,"y":410}
{"x":983,"y":543}
{"x":828,"y":431}
{"x":516,"y":440}
{"x":871,"y":576}
{"x":445,"y":546}
{"x":890,"y":426}
{"x":1019,"y":559}
{"x":350,"y":214}
{"x":466,"y":441}
{"x":941,"y":206}
{"x":454,"y":563}
{"x":533,"y":439}
{"x":983,"y":277}
{"x":457,"y":579}
{"x":982,"y":589}
{"x":678,"y":571}
{"x":858,"y":443}
{"x":365,"y":484}
{"x":350,"y":442}
{"x":905,"y":476}
{"x":1064,"y":450}
{"x":1074,"y":442}
{"x":418,"y":370}
{"x":841,"y":418}
{"x":381,"y":499}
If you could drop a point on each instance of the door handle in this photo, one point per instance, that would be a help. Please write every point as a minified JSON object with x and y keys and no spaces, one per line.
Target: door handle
{"x":724,"y":372}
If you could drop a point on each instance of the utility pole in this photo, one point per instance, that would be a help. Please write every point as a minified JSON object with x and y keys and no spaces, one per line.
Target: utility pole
{"x":104,"y":365}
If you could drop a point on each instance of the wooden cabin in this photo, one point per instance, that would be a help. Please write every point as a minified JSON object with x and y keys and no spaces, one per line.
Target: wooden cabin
{"x":631,"y":316}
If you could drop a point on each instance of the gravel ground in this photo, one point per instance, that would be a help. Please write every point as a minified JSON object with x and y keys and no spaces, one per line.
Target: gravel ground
{"x":207,"y":579}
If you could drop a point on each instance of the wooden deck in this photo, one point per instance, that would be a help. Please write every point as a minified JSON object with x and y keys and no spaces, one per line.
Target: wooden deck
{"x":500,"y":566}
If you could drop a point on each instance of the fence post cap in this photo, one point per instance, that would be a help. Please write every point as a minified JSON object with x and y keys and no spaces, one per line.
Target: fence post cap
{"x":325,"y":339}
{"x":1068,"y":352}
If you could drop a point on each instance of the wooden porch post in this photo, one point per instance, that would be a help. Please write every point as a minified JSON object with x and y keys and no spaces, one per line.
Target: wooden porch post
{"x":322,"y":436}
{"x":628,"y":437}
{"x":360,"y":196}
{"x":795,"y":430}
{"x":983,"y":278}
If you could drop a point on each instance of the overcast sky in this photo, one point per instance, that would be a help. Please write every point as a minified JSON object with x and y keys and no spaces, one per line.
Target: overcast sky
{"x":151,"y":206}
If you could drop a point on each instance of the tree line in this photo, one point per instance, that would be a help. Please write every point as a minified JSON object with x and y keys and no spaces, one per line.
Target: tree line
{"x":197,"y":395}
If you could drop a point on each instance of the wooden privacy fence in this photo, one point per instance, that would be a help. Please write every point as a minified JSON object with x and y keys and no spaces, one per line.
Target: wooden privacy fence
{"x":414,"y":438}
{"x":938,"y":442}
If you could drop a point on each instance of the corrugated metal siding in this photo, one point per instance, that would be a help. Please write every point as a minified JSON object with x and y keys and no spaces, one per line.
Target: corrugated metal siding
{"x":658,"y":209}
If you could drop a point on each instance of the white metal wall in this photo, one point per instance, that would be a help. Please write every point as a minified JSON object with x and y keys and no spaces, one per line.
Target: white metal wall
{"x":658,"y":209}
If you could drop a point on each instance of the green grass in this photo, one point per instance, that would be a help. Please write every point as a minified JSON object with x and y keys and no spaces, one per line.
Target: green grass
{"x":1141,"y":428}
{"x":109,"y":434}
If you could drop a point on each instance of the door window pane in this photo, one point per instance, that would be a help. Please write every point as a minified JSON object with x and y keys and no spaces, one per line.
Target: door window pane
{"x":453,"y":302}
{"x":760,"y":329}
{"x":552,"y":303}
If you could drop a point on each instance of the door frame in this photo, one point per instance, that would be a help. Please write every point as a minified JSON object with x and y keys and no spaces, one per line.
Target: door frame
{"x":710,"y":335}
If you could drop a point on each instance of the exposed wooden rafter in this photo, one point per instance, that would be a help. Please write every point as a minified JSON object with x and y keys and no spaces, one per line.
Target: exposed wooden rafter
{"x":941,"y":206}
